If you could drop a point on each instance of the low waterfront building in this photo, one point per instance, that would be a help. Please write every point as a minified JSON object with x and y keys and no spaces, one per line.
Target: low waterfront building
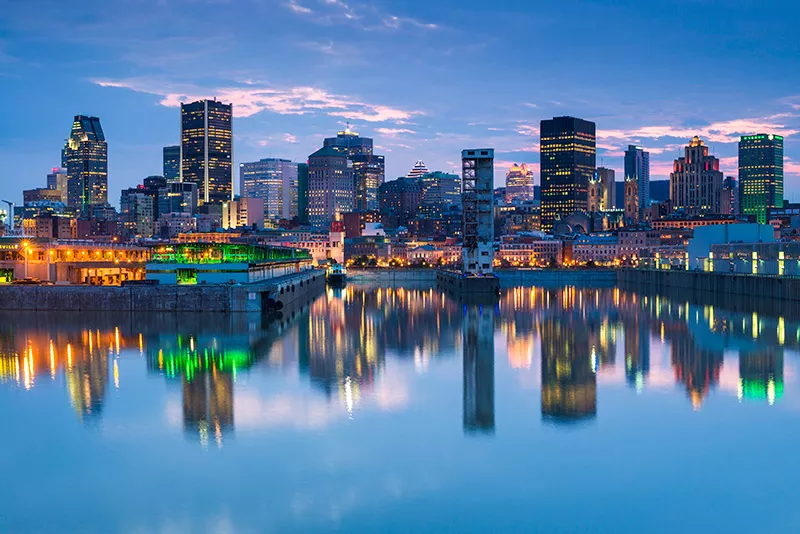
{"x":769,"y":259}
{"x":601,"y":249}
{"x":531,"y":250}
{"x":207,"y":263}
{"x":692,"y":222}
{"x":699,"y":250}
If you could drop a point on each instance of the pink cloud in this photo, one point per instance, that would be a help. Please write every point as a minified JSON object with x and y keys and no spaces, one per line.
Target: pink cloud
{"x":394,"y":132}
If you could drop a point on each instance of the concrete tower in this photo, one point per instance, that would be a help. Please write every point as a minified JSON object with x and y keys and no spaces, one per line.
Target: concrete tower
{"x":478,"y":205}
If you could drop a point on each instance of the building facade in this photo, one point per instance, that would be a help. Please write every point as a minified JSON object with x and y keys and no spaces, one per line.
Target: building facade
{"x":207,"y":149}
{"x":519,"y":184}
{"x":760,"y":174}
{"x":85,"y":156}
{"x":478,"y":206}
{"x":172,"y":163}
{"x":57,"y":180}
{"x":400,"y":199}
{"x":637,"y":167}
{"x":275,"y":181}
{"x":608,"y":183}
{"x":568,"y":161}
{"x":440,"y":192}
{"x":243,"y":213}
{"x":696,"y":181}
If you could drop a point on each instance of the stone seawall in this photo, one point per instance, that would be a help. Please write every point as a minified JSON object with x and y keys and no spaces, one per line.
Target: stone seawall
{"x":508,"y":277}
{"x":771,"y":288}
{"x":163,"y":298}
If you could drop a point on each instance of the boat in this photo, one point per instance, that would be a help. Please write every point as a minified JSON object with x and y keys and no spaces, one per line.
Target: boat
{"x":336,"y":276}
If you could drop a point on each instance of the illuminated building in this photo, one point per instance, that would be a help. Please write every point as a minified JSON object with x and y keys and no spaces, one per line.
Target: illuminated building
{"x":440,"y":192}
{"x":568,"y":160}
{"x":632,"y":199}
{"x":400,"y":199}
{"x":418,"y":170}
{"x":207,"y":149}
{"x":695,"y":183}
{"x":275,"y":181}
{"x":177,"y":197}
{"x":760,"y":174}
{"x":569,"y":384}
{"x":608,"y":188}
{"x":594,"y":194}
{"x":243,"y":213}
{"x":368,"y":175}
{"x":85,"y":157}
{"x":139,"y":208}
{"x":478,"y":207}
{"x":478,"y":343}
{"x":761,"y":374}
{"x":57,"y":180}
{"x":519,"y":184}
{"x":637,"y":169}
{"x":172,"y":163}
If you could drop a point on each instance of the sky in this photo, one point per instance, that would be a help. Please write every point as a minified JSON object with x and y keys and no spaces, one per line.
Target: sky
{"x":425,"y":79}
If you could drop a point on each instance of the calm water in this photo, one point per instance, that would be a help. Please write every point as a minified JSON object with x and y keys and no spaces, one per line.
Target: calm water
{"x":379,"y":410}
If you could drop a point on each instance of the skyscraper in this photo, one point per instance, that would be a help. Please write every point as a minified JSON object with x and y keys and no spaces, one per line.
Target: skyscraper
{"x":418,"y":170}
{"x":696,"y":181}
{"x":57,"y":180}
{"x":274,"y":181}
{"x":85,"y":157}
{"x":344,"y":175}
{"x":637,"y":167}
{"x":760,"y":174}
{"x":519,"y":184}
{"x":172,"y":163}
{"x":207,"y":149}
{"x":568,"y":159}
{"x":440,"y":192}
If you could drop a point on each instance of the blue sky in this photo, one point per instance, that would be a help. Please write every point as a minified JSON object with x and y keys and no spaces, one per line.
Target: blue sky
{"x":424,"y":78}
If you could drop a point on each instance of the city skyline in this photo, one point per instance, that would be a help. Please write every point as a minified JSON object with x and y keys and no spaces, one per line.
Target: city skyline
{"x":307,"y":88}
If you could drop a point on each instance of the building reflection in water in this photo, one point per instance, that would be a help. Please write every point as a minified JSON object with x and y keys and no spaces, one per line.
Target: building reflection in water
{"x":637,"y":350}
{"x":478,"y":360}
{"x":761,"y":375}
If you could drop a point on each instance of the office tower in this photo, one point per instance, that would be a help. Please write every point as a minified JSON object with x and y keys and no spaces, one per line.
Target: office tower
{"x":632,"y":197}
{"x":568,"y":157}
{"x":760,"y":174}
{"x":177,"y":197}
{"x":368,"y":175}
{"x":302,"y":193}
{"x":275,"y":182}
{"x":729,"y":200}
{"x":440,"y":193}
{"x":343,"y":171}
{"x":478,"y":205}
{"x":401,"y":199}
{"x":85,"y":156}
{"x":519,"y":184}
{"x":637,"y":167}
{"x":418,"y":170}
{"x":243,"y":213}
{"x":207,"y":149}
{"x":607,"y":178}
{"x":57,"y":181}
{"x":696,"y":181}
{"x":137,"y":213}
{"x":172,"y":163}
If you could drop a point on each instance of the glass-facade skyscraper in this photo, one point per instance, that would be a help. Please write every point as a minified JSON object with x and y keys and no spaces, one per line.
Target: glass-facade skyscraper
{"x":275,"y":181}
{"x":637,"y":167}
{"x":207,"y":149}
{"x":760,"y":174}
{"x":85,"y":156}
{"x":568,"y":161}
{"x":172,"y":163}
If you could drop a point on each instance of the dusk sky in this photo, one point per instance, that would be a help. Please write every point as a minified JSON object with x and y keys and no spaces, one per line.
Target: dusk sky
{"x":425,"y":79}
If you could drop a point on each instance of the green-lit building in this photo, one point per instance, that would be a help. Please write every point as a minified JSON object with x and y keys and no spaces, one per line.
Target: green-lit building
{"x":211,"y":263}
{"x":760,"y":174}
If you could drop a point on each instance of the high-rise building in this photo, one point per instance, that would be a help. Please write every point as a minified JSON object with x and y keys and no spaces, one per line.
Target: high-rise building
{"x":568,"y":160}
{"x":342,"y":176}
{"x":137,"y":213}
{"x":729,"y":202}
{"x":57,"y":181}
{"x":172,"y":163}
{"x":696,"y":181}
{"x":637,"y":167}
{"x":243,"y":213}
{"x":302,"y":193}
{"x":607,"y":178}
{"x":275,"y":182}
{"x":477,"y":176}
{"x":85,"y":156}
{"x":418,"y":170}
{"x":207,"y":149}
{"x":177,"y":197}
{"x":519,"y":184}
{"x":401,"y":199}
{"x":440,"y":193}
{"x":760,"y":174}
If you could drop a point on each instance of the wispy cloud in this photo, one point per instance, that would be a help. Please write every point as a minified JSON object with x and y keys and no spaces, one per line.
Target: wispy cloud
{"x":394,"y":132}
{"x":289,"y":138}
{"x":252,"y":98}
{"x":363,"y":16}
{"x":297,"y":8}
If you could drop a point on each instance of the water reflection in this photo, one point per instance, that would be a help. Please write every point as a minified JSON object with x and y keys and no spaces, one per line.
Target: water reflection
{"x":341,"y":346}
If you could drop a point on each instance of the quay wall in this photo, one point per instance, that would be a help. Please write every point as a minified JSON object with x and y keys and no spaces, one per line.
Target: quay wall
{"x":508,"y":277}
{"x":694,"y":283}
{"x":274,"y":293}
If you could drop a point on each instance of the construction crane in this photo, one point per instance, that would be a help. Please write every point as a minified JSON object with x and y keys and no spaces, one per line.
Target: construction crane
{"x":10,"y":216}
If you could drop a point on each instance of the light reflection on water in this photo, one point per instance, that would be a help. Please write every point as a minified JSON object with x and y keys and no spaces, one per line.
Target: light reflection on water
{"x":385,"y":374}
